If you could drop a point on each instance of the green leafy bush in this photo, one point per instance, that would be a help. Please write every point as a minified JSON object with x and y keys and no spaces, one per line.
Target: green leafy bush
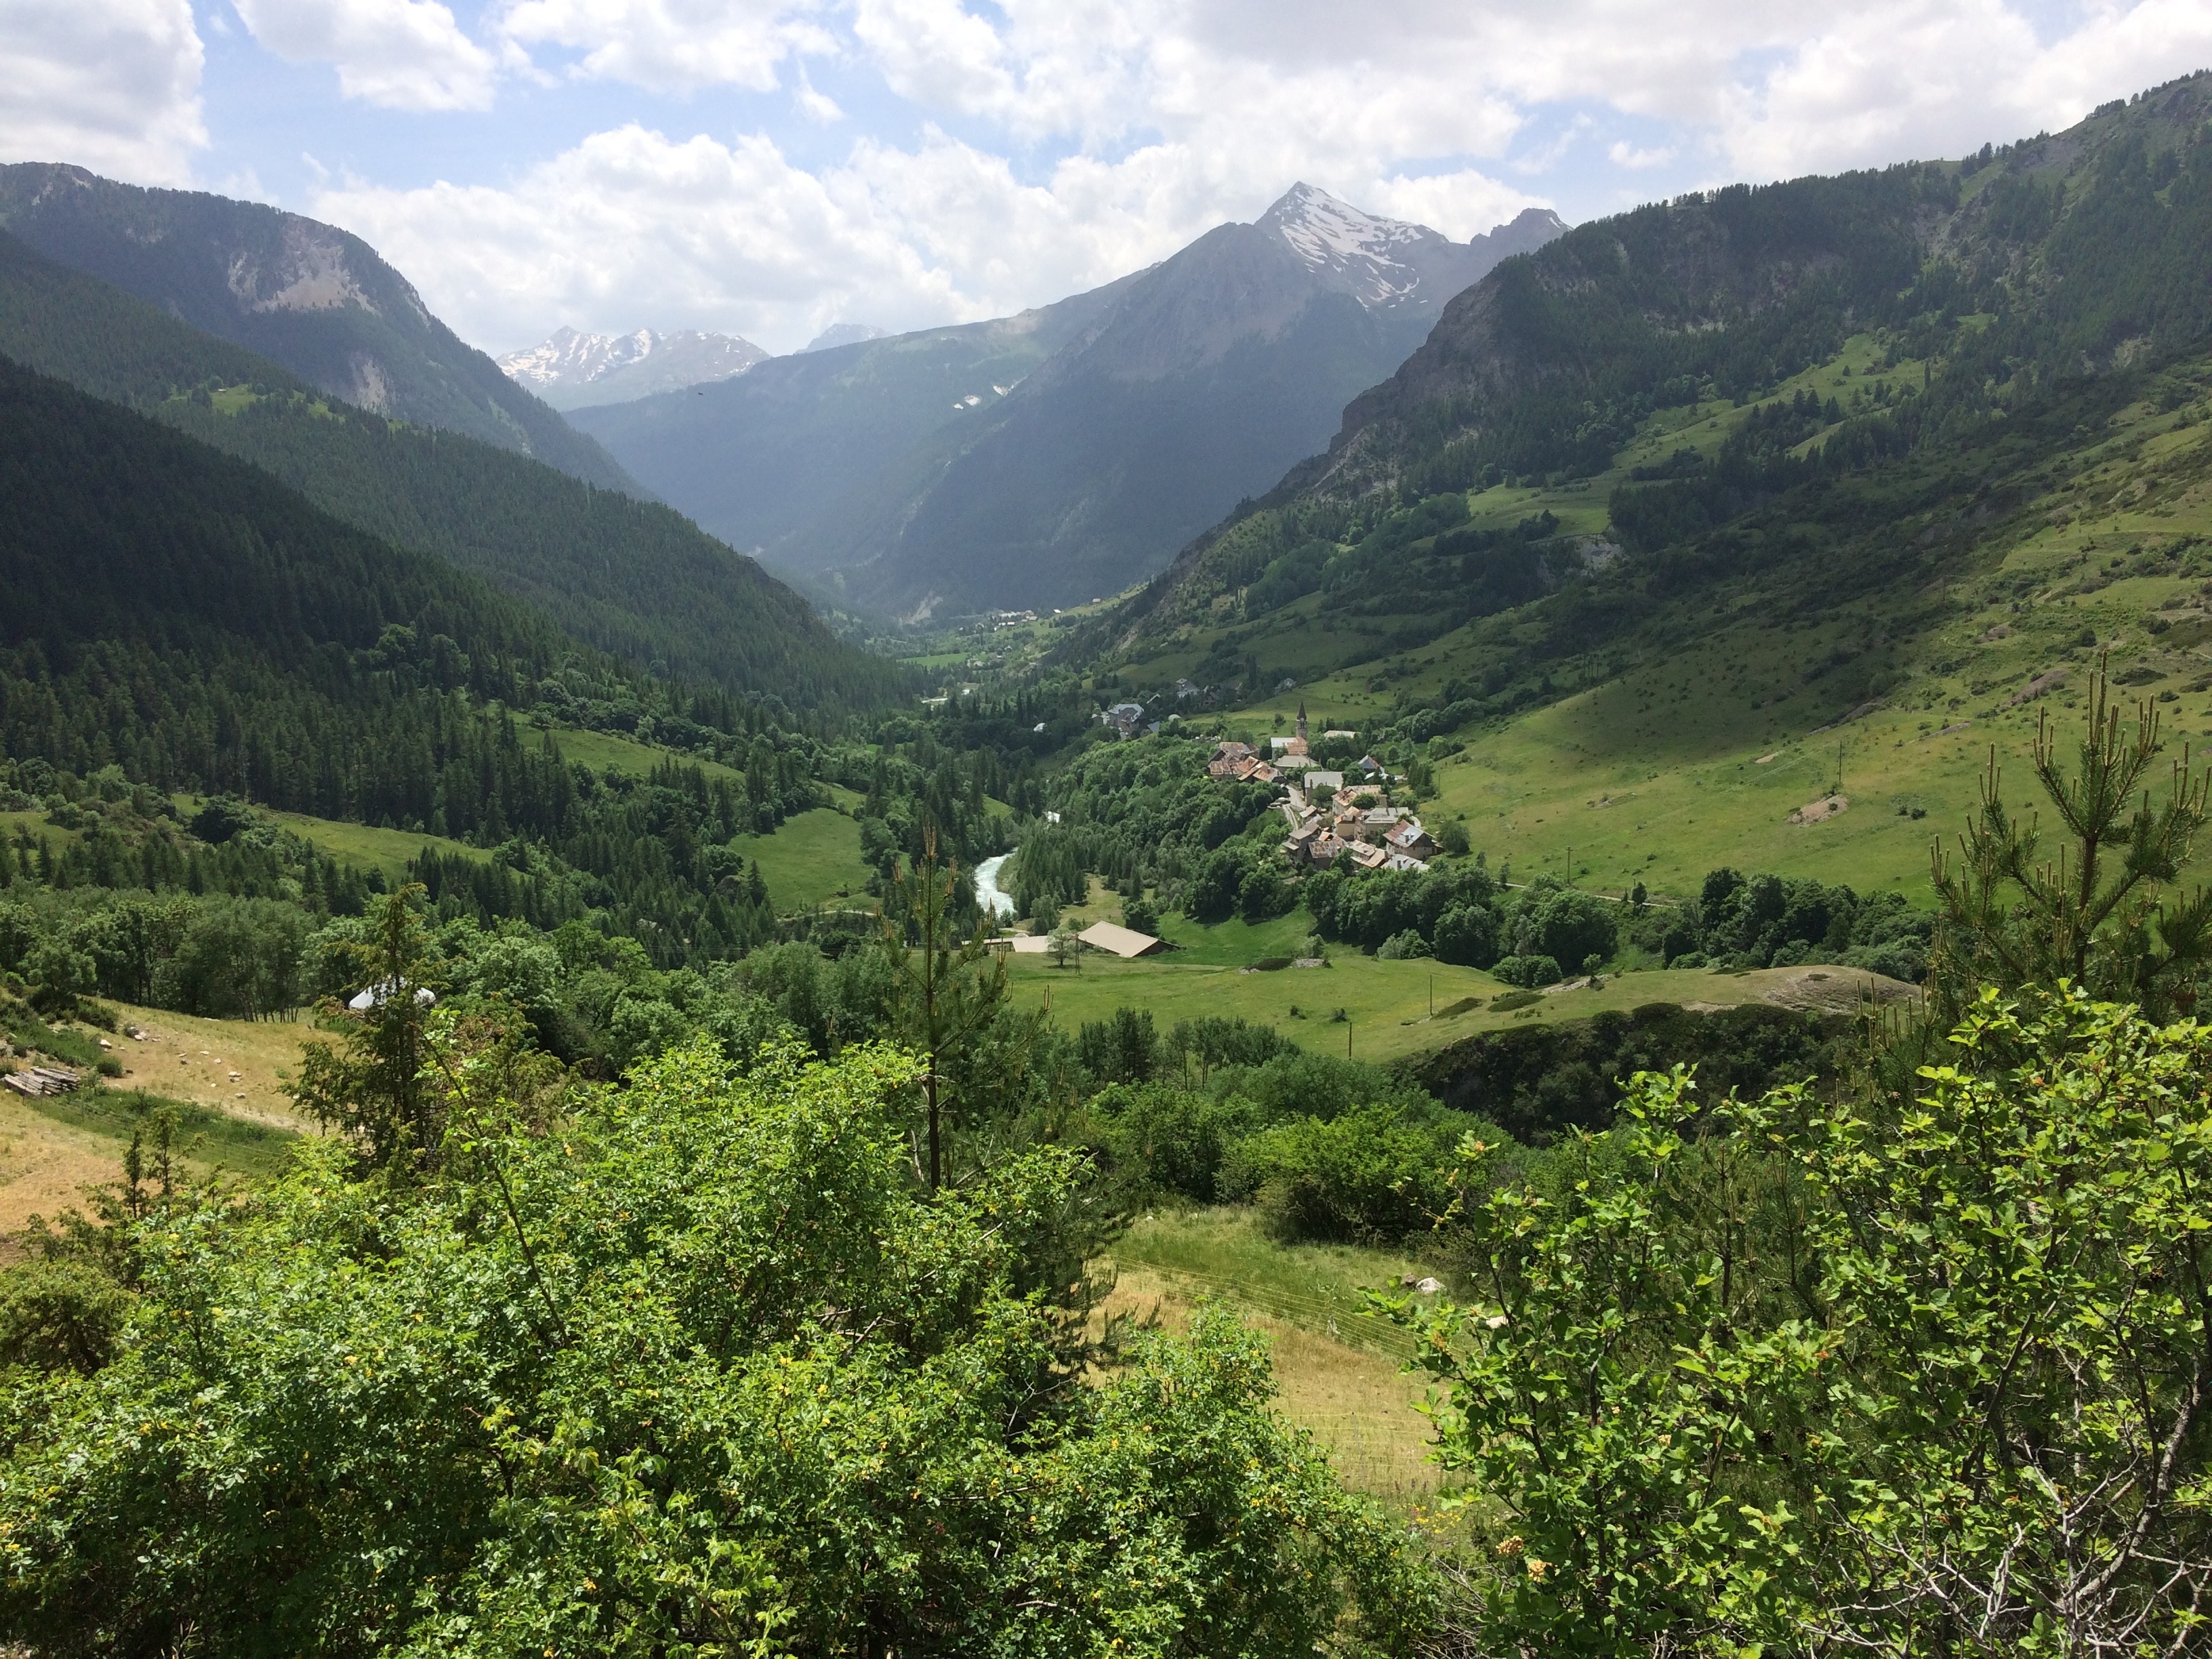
{"x":1467,"y":936}
{"x":705,"y":1368}
{"x":1919,"y":1381}
{"x":1363,"y":1176}
{"x":1565,"y":925}
{"x":1171,"y":1142}
{"x":59,"y":1315}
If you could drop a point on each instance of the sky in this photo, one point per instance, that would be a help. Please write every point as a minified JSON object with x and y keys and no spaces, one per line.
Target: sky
{"x":769,"y":168}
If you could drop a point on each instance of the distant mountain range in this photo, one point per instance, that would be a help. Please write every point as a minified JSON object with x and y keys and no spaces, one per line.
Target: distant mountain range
{"x":572,"y":370}
{"x":1059,"y":455}
{"x":307,"y":296}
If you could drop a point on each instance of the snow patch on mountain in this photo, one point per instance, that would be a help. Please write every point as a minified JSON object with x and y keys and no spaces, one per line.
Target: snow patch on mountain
{"x":1379,"y":261}
{"x":1322,"y":228}
{"x":573,"y":369}
{"x":1388,"y":263}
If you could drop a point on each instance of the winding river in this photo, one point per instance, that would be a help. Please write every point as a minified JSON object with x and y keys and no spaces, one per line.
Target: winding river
{"x":998,"y":905}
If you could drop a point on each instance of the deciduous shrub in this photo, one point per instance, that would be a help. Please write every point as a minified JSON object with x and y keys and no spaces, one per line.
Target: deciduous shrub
{"x":1527,"y":972}
{"x":1365,"y":1176}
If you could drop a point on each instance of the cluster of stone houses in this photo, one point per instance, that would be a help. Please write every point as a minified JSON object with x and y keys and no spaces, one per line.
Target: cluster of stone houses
{"x":1373,"y":837}
{"x":1239,"y":762}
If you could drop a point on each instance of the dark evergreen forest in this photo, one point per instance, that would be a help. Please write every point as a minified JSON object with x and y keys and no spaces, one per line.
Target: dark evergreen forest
{"x":631,"y":577}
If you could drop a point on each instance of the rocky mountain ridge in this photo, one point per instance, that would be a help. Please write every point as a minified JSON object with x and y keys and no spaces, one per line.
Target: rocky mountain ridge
{"x":307,"y":296}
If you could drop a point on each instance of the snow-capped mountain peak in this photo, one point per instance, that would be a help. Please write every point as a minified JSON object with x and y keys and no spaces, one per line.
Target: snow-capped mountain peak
{"x":572,"y":369}
{"x":1385,"y":264}
{"x":1323,"y":230}
{"x":1382,"y":263}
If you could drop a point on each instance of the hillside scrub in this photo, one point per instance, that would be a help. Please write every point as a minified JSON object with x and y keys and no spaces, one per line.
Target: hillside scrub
{"x":1542,"y":1083}
{"x":704,"y":1367}
{"x":1894,"y":1376}
{"x":1329,"y":1149}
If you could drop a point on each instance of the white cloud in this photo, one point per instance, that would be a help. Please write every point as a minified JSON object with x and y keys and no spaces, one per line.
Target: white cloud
{"x":1884,"y":80}
{"x":1462,"y":205}
{"x":402,"y":54}
{"x":631,"y":225}
{"x":671,"y":45}
{"x":815,"y":106}
{"x":633,"y":228}
{"x":1063,"y":142}
{"x":112,"y":85}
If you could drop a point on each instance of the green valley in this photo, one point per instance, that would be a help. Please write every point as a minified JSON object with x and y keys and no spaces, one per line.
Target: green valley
{"x":1465,"y":1117}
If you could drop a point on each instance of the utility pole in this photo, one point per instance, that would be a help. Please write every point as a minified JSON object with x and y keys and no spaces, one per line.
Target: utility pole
{"x":1348,"y":1039}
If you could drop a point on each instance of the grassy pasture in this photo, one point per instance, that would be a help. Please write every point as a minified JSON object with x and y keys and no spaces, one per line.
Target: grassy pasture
{"x":1700,"y":760}
{"x":605,"y":752}
{"x":34,"y":824}
{"x":1387,"y":1004}
{"x":813,"y":858}
{"x":223,"y":1078}
{"x":235,"y":1065}
{"x":368,"y":847}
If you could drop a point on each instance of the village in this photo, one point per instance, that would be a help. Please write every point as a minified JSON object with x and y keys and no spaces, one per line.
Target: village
{"x":1333,"y":816}
{"x":1328,"y":819}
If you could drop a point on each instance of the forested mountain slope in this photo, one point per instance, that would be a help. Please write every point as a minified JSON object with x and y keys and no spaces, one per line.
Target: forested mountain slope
{"x":1054,"y":457}
{"x":1905,"y":450}
{"x":307,"y":296}
{"x":2006,"y":280}
{"x":184,"y":616}
{"x":178,"y":621}
{"x":634,"y":577}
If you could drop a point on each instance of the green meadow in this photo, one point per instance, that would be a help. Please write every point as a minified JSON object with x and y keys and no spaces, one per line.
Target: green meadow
{"x":368,"y":847}
{"x":1389,"y":1009}
{"x":812,"y":859}
{"x":605,"y":752}
{"x":1338,"y":1365}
